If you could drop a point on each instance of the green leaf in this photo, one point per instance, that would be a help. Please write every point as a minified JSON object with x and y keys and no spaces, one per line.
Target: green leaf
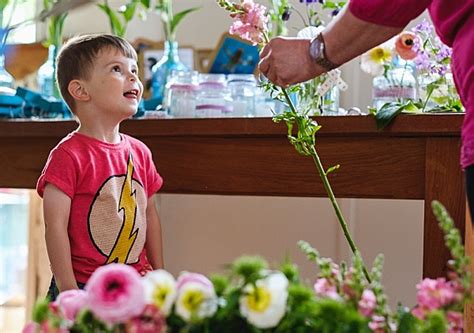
{"x":387,"y":113}
{"x":407,"y":321}
{"x":145,"y":3}
{"x":179,"y":16}
{"x":129,"y":11}
{"x":3,"y":4}
{"x":117,"y":27}
{"x":333,"y":168}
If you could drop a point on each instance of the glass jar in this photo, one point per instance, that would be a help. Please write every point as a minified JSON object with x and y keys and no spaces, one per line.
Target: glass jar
{"x":213,"y":98}
{"x":243,"y":90}
{"x":177,"y":79}
{"x":397,"y":85}
{"x":182,"y":100}
{"x":436,"y":91}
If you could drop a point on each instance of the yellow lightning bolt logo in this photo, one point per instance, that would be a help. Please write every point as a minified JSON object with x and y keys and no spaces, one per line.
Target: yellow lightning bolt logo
{"x":128,"y":205}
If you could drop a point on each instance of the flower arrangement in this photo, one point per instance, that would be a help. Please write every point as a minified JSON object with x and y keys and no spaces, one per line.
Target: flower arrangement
{"x":422,"y":52}
{"x":255,"y":298}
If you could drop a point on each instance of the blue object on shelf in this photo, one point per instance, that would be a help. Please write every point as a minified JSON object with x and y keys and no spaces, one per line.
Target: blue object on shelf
{"x":37,"y":105}
{"x":11,"y":106}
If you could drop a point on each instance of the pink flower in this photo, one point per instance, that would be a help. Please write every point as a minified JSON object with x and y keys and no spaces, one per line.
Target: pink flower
{"x":324,"y":288}
{"x":367,"y":303}
{"x":434,"y":294}
{"x":31,"y":327}
{"x":404,"y":45}
{"x":71,"y":302}
{"x":115,"y":293}
{"x":455,"y":321}
{"x":251,"y":23}
{"x":151,"y":320}
{"x":377,"y":324}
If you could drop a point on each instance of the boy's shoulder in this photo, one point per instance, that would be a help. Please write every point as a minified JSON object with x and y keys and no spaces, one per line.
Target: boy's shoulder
{"x":134,"y":142}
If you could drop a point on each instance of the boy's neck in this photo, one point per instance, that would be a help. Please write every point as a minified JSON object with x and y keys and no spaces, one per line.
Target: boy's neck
{"x":100,"y":132}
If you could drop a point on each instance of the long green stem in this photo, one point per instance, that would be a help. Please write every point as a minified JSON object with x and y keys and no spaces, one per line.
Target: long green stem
{"x":330,"y":193}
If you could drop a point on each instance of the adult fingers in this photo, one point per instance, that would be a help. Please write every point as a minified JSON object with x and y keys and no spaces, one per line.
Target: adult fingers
{"x":266,"y":50}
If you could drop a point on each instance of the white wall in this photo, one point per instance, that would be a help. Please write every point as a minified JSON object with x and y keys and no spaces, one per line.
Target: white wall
{"x":204,"y":232}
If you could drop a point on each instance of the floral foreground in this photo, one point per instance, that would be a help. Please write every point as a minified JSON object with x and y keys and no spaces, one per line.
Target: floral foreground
{"x":254,"y":298}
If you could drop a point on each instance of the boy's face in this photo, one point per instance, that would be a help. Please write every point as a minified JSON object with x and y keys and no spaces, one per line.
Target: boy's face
{"x":113,"y":84}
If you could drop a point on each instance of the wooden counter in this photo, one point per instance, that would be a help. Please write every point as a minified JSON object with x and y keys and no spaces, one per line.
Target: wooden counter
{"x":417,"y":157}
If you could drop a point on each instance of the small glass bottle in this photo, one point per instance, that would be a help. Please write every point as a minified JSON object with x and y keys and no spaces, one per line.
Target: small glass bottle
{"x":6,"y":79}
{"x":179,"y":77}
{"x":213,"y":97}
{"x":436,"y":90}
{"x":243,"y":89}
{"x":47,"y":75}
{"x":396,"y":85}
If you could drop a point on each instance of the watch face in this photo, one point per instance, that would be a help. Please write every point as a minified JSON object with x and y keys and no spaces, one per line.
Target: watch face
{"x":315,"y":49}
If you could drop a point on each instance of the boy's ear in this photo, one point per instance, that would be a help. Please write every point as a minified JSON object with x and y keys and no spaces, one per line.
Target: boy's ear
{"x":78,"y":90}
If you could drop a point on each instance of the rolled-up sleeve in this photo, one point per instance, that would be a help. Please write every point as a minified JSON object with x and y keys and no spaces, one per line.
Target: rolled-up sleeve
{"x":392,"y":13}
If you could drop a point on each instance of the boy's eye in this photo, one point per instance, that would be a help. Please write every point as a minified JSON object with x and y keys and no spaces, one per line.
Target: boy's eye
{"x":116,"y":69}
{"x":135,"y":71}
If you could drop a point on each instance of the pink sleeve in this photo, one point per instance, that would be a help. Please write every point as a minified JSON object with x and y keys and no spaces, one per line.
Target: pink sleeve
{"x":392,"y":13}
{"x":59,"y":171}
{"x":154,"y":179}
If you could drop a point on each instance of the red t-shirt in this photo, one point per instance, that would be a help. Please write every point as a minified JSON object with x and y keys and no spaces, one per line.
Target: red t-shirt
{"x":454,"y":23}
{"x":109,"y":185}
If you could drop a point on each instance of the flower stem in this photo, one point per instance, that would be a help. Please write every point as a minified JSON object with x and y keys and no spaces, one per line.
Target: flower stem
{"x":330,"y":193}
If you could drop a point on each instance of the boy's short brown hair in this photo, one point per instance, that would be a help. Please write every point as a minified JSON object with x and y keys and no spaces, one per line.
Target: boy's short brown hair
{"x":77,"y":57}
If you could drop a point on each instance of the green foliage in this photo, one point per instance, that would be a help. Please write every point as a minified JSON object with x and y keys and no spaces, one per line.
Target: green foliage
{"x":249,"y":268}
{"x":169,"y":19}
{"x":120,"y":18}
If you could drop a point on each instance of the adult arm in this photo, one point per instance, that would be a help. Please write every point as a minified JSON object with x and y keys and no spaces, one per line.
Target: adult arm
{"x":286,"y":61}
{"x":56,"y":208}
{"x":154,"y":244}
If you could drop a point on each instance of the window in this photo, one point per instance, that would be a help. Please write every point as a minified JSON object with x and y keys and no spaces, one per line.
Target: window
{"x":23,"y":11}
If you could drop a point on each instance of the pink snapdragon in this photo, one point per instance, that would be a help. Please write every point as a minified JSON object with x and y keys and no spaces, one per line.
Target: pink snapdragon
{"x":250,"y":21}
{"x":324,"y":288}
{"x":115,"y":293}
{"x":434,"y":294}
{"x":455,"y":320}
{"x":367,"y":303}
{"x":377,"y":324}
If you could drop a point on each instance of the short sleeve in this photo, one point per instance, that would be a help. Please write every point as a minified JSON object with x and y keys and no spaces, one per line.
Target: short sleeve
{"x":392,"y":13}
{"x":59,"y":171}
{"x":154,"y":179}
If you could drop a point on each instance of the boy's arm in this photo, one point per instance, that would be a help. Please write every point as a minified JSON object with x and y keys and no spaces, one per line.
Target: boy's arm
{"x":56,"y":209}
{"x":153,"y":245}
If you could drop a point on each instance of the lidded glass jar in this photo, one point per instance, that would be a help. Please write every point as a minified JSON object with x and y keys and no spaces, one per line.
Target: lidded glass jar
{"x":243,"y":89}
{"x":180,"y":94}
{"x":213,"y":99}
{"x":396,"y":85}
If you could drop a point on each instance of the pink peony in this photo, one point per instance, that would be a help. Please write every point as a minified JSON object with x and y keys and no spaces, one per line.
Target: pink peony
{"x":455,"y":320}
{"x":251,"y":23}
{"x":367,"y":303}
{"x":404,"y":45}
{"x":71,"y":302}
{"x":324,"y":288}
{"x":115,"y":293}
{"x":434,"y":294}
{"x":151,"y":320}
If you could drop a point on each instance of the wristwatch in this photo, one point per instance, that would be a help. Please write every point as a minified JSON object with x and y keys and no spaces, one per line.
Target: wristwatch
{"x":317,"y":52}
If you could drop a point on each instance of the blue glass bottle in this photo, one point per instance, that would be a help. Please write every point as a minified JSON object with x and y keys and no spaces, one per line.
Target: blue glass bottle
{"x":163,"y":68}
{"x":47,"y":75}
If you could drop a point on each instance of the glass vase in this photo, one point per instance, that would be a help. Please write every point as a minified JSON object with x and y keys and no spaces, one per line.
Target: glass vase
{"x":6,"y":79}
{"x":397,"y":84}
{"x":47,"y":75}
{"x":437,"y":92}
{"x":163,"y":68}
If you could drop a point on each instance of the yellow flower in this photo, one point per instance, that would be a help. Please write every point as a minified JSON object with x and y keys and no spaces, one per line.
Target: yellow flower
{"x":372,"y":61}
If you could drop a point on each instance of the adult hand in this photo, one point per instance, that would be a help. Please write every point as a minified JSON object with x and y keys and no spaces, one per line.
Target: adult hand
{"x":286,"y":61}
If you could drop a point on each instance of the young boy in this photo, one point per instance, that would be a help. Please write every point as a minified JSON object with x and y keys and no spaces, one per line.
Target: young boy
{"x":98,"y":185}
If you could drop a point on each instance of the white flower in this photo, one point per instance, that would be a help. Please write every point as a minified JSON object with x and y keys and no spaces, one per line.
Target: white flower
{"x":160,"y":290}
{"x":265,"y":305}
{"x":310,"y":32}
{"x":373,"y":61}
{"x":196,"y":297}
